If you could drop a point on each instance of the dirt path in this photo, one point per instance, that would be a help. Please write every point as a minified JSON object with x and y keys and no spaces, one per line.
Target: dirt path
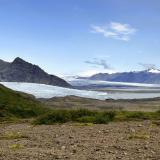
{"x":118,"y":140}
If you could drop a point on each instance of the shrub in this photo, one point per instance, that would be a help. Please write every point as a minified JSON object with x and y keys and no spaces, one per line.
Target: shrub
{"x":55,"y":116}
{"x":84,"y":116}
{"x":104,"y":117}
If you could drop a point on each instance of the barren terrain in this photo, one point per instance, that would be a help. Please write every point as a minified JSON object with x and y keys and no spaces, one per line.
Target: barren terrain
{"x":73,"y":141}
{"x":72,"y":102}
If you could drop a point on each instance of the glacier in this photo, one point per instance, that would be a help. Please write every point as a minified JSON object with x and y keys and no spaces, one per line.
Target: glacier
{"x":48,"y":91}
{"x":86,"y":82}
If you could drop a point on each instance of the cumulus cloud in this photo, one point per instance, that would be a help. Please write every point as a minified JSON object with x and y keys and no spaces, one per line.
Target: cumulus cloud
{"x":99,"y":62}
{"x":115,"y":30}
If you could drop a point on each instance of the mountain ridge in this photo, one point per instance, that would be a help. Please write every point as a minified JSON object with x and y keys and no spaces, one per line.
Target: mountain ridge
{"x":145,"y":76}
{"x":22,"y":71}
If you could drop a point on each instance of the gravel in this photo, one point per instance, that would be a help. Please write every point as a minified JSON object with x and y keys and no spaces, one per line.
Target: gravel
{"x":81,"y":142}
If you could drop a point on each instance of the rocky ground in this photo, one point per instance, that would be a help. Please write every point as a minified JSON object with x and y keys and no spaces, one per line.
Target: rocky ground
{"x":117,"y":140}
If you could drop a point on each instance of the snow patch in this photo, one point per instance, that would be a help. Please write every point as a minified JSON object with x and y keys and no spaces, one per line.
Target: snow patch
{"x":154,"y":71}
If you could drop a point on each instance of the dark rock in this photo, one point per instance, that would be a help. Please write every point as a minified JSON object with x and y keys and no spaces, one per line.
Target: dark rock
{"x":22,"y":71}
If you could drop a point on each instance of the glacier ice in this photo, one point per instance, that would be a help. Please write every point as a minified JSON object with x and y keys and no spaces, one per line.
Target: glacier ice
{"x":48,"y":91}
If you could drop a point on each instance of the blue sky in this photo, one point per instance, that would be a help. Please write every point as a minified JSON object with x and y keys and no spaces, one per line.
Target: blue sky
{"x":67,"y":37}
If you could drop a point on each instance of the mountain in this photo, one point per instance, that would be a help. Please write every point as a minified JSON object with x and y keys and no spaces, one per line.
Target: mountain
{"x":3,"y":65}
{"x":22,"y":71}
{"x":146,"y":76}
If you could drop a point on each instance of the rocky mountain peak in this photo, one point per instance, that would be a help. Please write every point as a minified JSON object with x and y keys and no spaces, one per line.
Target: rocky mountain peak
{"x":21,"y":71}
{"x":19,"y":60}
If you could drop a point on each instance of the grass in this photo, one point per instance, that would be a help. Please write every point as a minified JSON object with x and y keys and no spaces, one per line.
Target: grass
{"x":12,"y":136}
{"x":15,"y":146}
{"x":139,"y":135}
{"x":83,"y":124}
{"x":136,"y":116}
{"x":18,"y":105}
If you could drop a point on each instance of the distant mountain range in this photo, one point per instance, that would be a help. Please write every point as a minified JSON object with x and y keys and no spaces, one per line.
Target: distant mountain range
{"x":147,"y":76}
{"x":22,"y":71}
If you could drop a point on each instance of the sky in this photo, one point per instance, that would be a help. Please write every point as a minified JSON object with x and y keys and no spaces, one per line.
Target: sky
{"x":81,"y":37}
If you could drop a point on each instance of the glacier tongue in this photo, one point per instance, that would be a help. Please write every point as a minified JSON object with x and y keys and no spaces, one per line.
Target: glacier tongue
{"x":48,"y":91}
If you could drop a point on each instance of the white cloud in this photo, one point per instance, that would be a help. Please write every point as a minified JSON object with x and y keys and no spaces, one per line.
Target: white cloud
{"x":115,"y":30}
{"x":91,"y":72}
{"x":98,"y":65}
{"x":98,"y":62}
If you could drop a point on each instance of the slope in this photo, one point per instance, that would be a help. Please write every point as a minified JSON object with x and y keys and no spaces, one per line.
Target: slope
{"x":18,"y":105}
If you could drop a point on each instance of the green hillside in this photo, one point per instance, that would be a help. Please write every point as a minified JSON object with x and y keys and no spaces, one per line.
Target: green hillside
{"x":18,"y":105}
